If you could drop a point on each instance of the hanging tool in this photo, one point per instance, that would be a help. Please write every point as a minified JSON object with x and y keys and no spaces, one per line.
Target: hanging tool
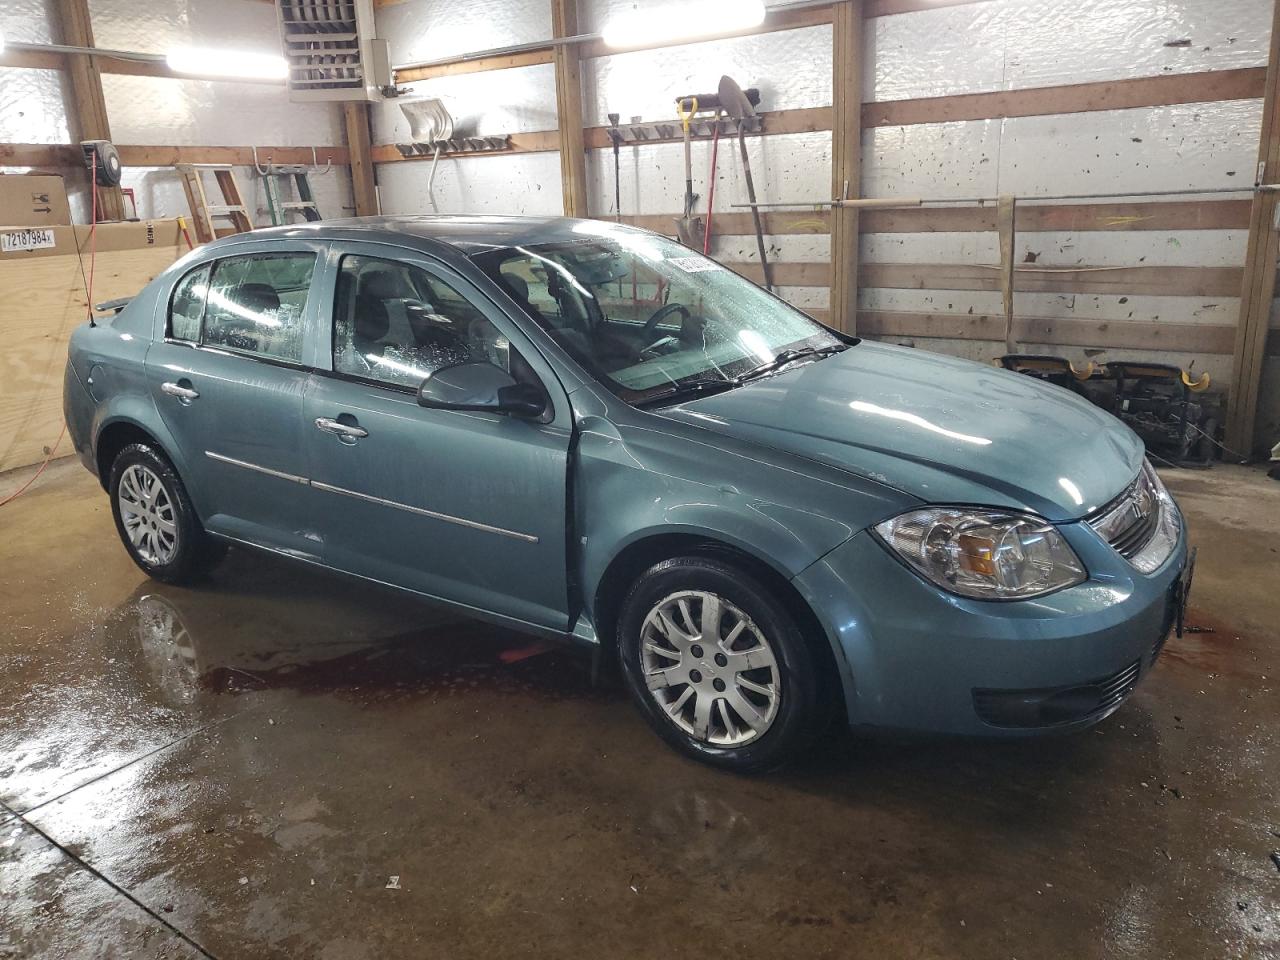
{"x":616,"y":136}
{"x":689,"y":228}
{"x":738,"y":105}
{"x":431,"y":123}
{"x":711,"y":186}
{"x":278,"y":208}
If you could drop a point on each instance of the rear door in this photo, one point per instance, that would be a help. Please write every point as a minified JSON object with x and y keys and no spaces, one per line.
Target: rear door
{"x":466,"y":506}
{"x":229,"y":380}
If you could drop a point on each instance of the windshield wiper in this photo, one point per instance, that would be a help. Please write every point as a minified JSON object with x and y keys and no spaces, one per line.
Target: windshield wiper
{"x":687,"y":391}
{"x":784,"y":358}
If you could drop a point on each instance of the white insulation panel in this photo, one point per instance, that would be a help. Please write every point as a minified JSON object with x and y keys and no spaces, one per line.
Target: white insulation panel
{"x":523,"y":184}
{"x":27,"y":21}
{"x":32,"y":107}
{"x":156,"y":26}
{"x":435,"y":29}
{"x":792,"y":69}
{"x":1012,"y":44}
{"x":521,"y":99}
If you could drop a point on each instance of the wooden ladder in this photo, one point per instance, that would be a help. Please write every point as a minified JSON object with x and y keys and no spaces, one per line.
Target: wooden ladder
{"x":203,"y":212}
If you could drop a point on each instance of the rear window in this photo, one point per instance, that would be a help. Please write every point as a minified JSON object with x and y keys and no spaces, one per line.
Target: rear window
{"x":252,"y":304}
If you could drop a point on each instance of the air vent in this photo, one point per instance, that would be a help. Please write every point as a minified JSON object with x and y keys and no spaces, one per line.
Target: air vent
{"x":332,"y":51}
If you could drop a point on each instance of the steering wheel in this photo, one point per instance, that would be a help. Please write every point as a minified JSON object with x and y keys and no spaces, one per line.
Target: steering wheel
{"x":651,"y":325}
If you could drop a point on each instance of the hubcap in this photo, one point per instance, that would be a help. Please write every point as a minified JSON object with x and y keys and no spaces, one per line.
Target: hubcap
{"x":147,"y":513}
{"x":710,"y":668}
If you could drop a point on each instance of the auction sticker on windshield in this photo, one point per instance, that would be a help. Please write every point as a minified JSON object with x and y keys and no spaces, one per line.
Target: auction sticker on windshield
{"x":16,"y":240}
{"x":694,"y":264}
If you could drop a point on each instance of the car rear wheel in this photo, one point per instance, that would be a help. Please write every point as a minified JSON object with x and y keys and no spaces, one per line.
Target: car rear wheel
{"x":155,"y":519}
{"x":718,"y":666}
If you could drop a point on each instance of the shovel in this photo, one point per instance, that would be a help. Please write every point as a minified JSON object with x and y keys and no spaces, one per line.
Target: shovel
{"x":737,"y":105}
{"x":429,"y":122}
{"x":689,"y":228}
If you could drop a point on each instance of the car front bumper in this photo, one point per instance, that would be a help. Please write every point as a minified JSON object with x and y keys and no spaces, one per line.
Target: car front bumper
{"x":914,"y":657}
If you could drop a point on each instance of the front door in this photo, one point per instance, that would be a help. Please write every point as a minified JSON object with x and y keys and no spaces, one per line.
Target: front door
{"x":468,"y":507}
{"x":229,"y":380}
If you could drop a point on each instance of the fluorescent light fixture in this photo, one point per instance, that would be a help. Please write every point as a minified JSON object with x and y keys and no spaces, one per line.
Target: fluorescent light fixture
{"x":645,"y":24}
{"x":208,"y":62}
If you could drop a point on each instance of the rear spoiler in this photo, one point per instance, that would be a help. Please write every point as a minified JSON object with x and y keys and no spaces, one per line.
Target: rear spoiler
{"x":115,"y":306}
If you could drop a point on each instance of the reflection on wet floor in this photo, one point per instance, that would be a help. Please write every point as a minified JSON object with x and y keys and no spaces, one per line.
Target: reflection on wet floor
{"x":194,"y":642}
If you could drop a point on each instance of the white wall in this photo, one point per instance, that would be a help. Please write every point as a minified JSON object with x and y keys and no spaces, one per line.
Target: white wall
{"x":151,"y":110}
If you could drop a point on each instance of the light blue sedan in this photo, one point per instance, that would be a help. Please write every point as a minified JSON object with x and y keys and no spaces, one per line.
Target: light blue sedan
{"x":592,"y":433}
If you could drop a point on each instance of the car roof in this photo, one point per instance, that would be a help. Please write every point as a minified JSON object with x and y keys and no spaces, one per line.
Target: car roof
{"x":470,"y":235}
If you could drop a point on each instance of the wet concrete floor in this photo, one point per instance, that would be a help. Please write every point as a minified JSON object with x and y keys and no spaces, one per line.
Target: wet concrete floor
{"x":285,"y":763}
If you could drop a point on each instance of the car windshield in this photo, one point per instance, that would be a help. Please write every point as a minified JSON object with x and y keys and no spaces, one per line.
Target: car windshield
{"x":652,"y":320}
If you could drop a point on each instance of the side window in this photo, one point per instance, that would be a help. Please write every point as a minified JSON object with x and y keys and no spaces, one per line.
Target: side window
{"x":187,"y":306}
{"x":256,"y":304}
{"x":396,"y":323}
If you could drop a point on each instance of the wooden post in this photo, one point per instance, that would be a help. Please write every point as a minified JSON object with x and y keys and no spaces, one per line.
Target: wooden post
{"x":1259,"y":284}
{"x":364,"y":189}
{"x":1006,"y":207}
{"x":846,"y":160}
{"x":88,"y":108}
{"x":573,"y":149}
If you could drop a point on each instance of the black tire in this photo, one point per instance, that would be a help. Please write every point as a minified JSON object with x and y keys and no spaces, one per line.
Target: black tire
{"x":802,"y":705}
{"x":194,"y":552}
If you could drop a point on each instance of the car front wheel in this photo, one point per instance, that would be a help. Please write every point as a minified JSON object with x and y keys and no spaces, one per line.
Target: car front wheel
{"x":155,"y":519}
{"x":718,"y":666}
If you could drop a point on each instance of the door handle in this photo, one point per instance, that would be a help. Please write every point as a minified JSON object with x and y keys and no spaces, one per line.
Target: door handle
{"x":343,"y":430}
{"x":185,"y":394}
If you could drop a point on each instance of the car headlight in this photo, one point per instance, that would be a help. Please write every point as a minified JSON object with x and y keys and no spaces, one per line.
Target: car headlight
{"x":983,"y":554}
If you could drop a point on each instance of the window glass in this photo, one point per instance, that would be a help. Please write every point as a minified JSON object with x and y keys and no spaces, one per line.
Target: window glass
{"x":397,"y":324}
{"x":256,"y":304}
{"x":650,"y":319}
{"x":187,"y":306}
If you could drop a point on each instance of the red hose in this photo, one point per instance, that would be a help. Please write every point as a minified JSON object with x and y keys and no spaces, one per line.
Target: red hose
{"x":711,"y":191}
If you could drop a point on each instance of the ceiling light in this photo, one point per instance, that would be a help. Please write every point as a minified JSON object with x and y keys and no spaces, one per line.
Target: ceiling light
{"x":643,"y":26}
{"x":207,"y":62}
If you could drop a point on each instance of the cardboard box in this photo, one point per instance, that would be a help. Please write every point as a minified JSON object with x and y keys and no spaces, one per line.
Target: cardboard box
{"x":43,"y":298}
{"x":33,"y":200}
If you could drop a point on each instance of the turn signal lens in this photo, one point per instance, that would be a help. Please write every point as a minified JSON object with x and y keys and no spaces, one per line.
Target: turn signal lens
{"x":985,"y":555}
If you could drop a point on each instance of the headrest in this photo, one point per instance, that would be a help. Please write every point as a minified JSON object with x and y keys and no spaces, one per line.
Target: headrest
{"x":517,"y":285}
{"x":258,"y":296}
{"x":380,"y":285}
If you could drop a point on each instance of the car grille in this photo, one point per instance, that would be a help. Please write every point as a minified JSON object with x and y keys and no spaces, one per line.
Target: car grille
{"x":1054,"y":706}
{"x":1129,"y":522}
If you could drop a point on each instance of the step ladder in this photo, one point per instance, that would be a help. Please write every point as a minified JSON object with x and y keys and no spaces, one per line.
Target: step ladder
{"x":203,"y":213}
{"x":277,"y":179}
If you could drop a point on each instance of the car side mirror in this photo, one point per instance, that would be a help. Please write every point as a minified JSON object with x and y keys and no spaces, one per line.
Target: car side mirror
{"x":481,"y":386}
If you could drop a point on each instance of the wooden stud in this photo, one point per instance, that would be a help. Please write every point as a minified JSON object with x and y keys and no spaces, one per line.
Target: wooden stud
{"x":1006,"y":207}
{"x":1259,"y":283}
{"x":88,"y":106}
{"x":364,"y":186}
{"x":846,"y":160}
{"x":573,"y":155}
{"x":138,"y":155}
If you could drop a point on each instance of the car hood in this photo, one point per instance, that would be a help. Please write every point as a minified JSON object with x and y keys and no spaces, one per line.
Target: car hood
{"x":942,"y":429}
